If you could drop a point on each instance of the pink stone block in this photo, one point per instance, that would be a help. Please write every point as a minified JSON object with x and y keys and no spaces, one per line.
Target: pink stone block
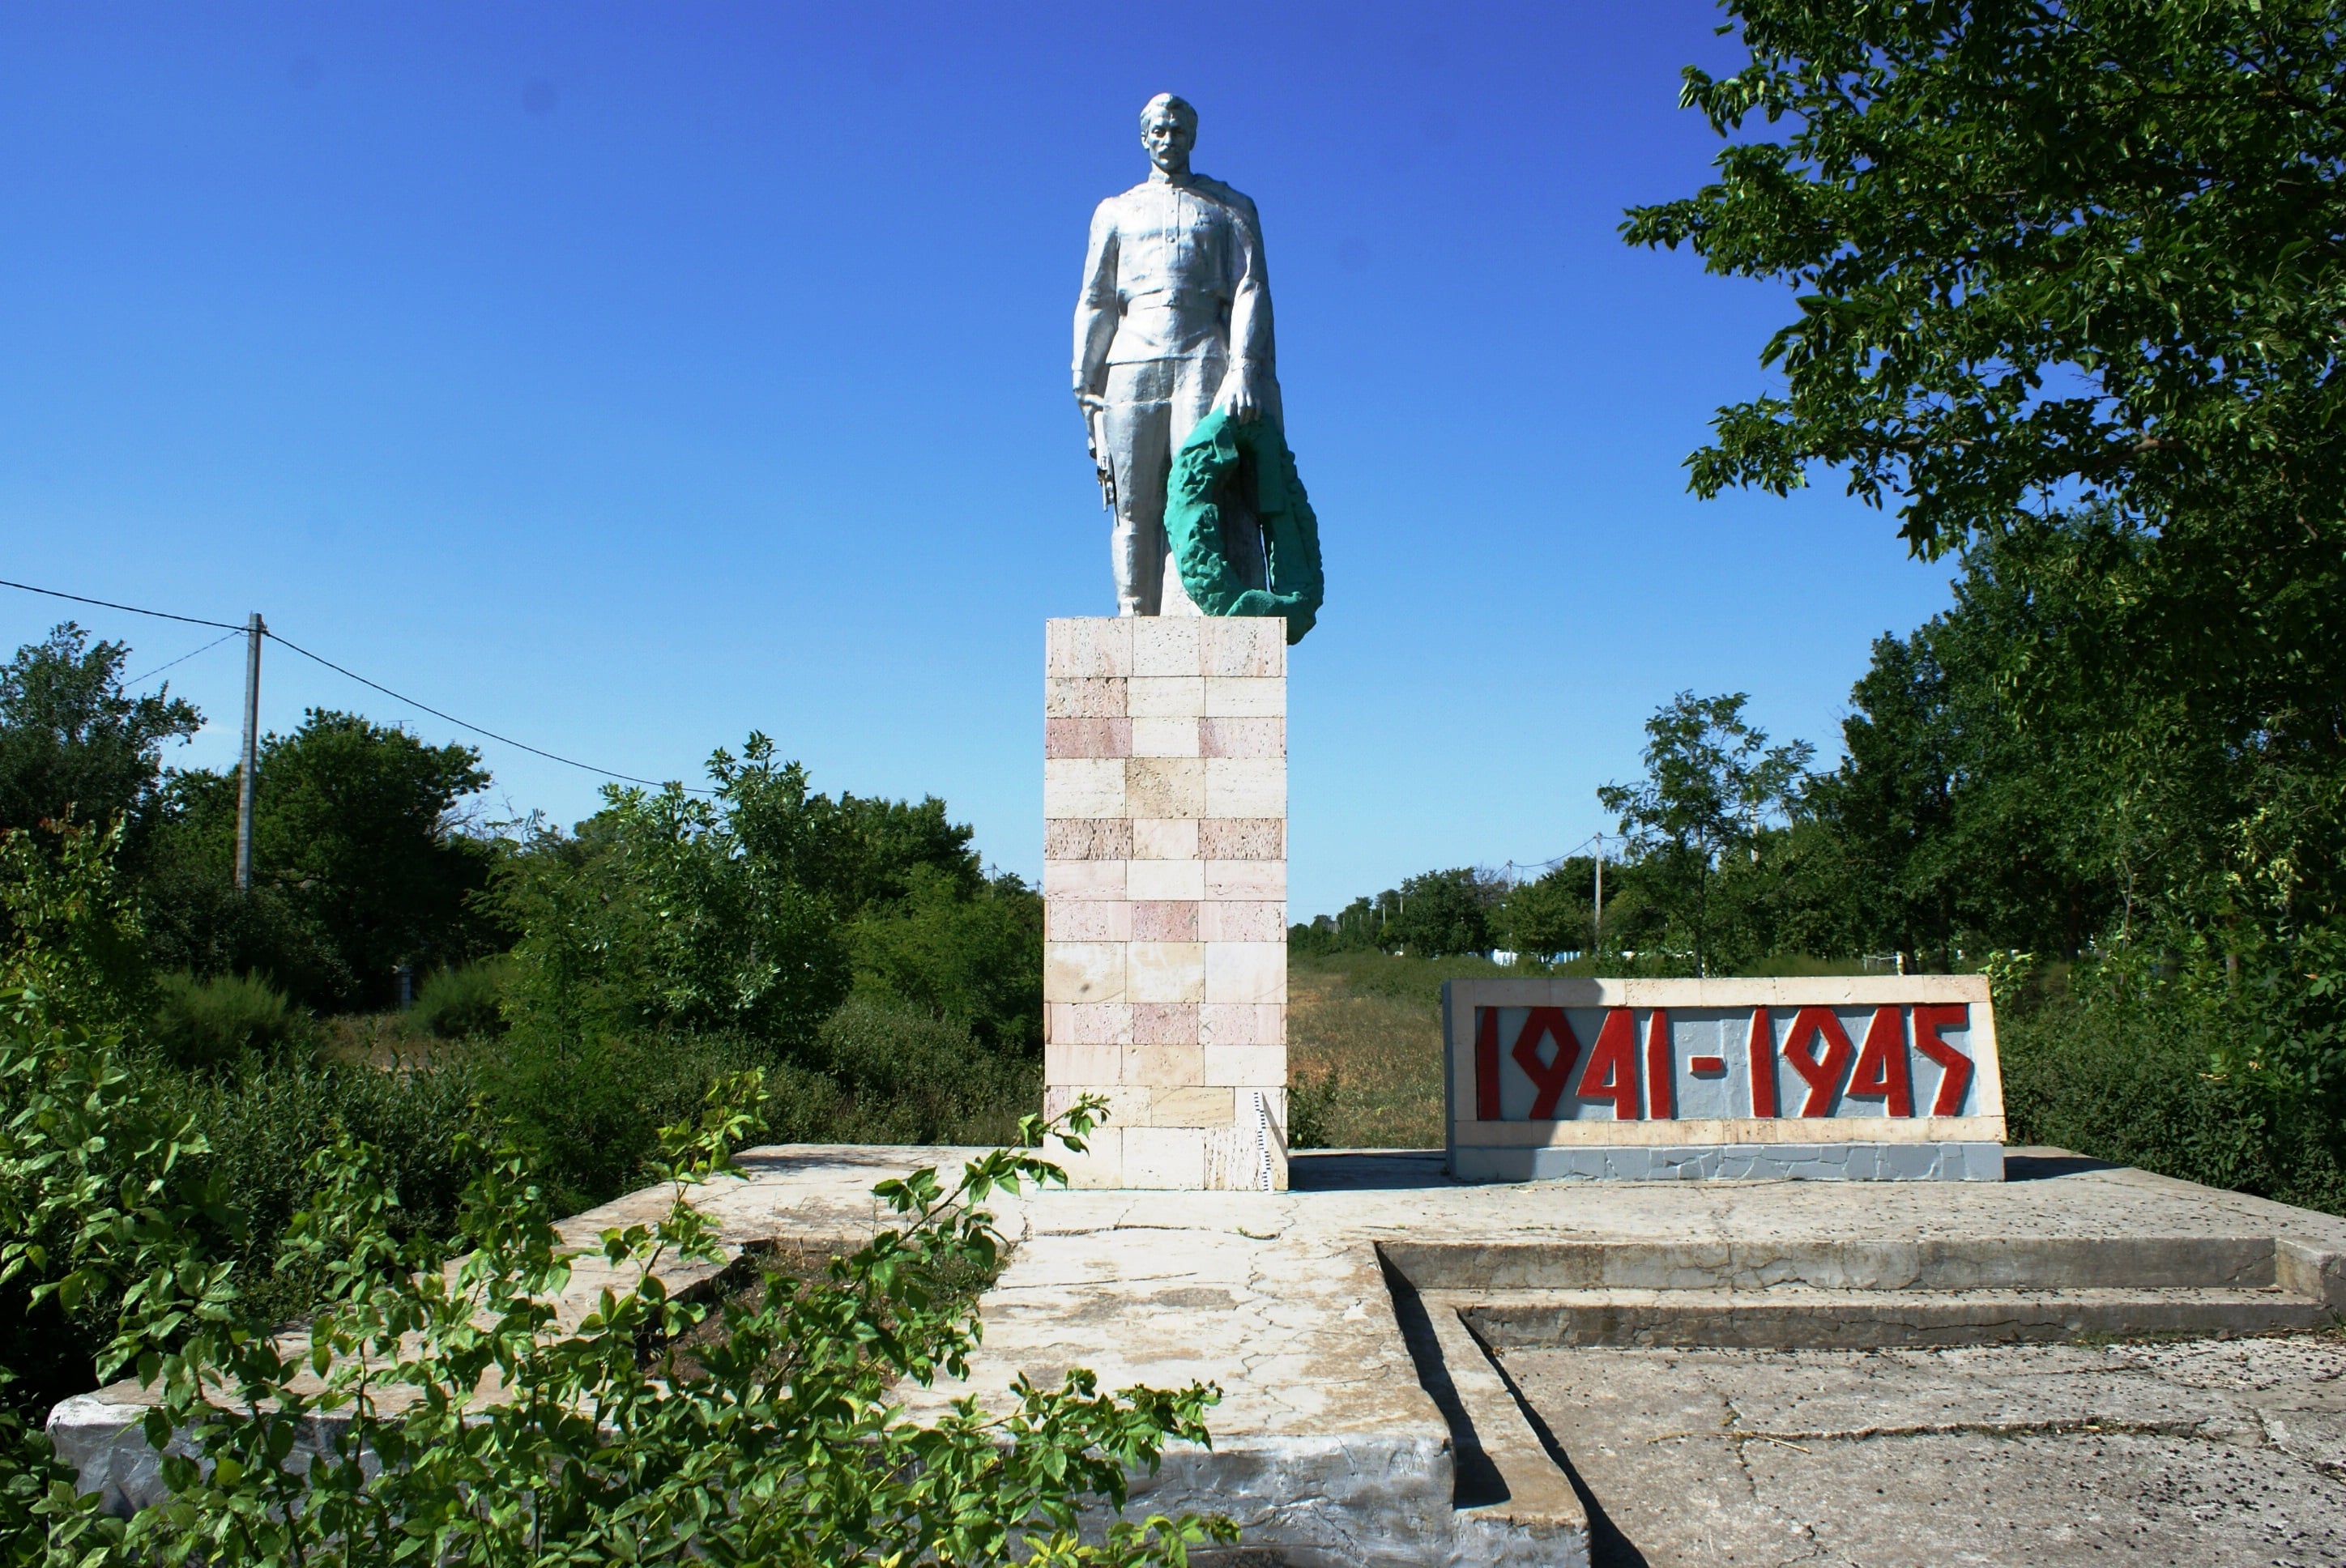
{"x":1166,"y":737}
{"x":1244,"y":880}
{"x":1242,"y":738}
{"x":1164,"y":1023}
{"x":1251,"y":921}
{"x":1084,"y":699}
{"x":1166,"y":919}
{"x":1245,"y":645}
{"x":1087,"y":647}
{"x":1084,"y":879}
{"x":1087,"y":838}
{"x":1092,"y":736}
{"x":1221,"y":1024}
{"x":1243,"y":839}
{"x":1086,"y":1024}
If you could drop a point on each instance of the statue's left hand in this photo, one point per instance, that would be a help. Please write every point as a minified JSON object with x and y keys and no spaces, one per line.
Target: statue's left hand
{"x":1237,"y":395}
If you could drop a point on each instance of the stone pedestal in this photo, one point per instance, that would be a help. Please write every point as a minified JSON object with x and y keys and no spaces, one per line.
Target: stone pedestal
{"x":1165,"y":881}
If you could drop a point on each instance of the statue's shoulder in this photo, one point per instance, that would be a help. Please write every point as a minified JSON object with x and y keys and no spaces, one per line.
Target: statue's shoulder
{"x":1237,"y":201}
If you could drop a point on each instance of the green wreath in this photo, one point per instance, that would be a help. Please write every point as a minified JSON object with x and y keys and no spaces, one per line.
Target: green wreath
{"x":1210,"y":480}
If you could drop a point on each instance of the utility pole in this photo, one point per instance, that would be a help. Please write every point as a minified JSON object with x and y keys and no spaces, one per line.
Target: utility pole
{"x":1596,"y":929}
{"x":254,"y":632}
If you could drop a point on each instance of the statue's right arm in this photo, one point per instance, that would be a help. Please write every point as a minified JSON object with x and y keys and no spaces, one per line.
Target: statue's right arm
{"x":1095,"y":307}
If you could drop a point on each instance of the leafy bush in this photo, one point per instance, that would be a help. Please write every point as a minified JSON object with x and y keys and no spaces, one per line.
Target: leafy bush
{"x":457,"y":1003}
{"x":2180,"y":1074}
{"x":1310,"y":1103}
{"x":592,"y":1450}
{"x":211,"y":1023}
{"x":909,"y":1077}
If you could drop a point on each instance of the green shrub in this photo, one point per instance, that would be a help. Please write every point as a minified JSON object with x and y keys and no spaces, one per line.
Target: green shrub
{"x":211,"y":1023}
{"x":1311,"y":1104}
{"x":457,"y":1003}
{"x":2139,"y":1078}
{"x":599,"y":1445}
{"x":906,"y":1076}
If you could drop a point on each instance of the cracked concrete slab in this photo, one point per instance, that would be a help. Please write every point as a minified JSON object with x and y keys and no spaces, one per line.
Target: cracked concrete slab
{"x":2048,"y":1455}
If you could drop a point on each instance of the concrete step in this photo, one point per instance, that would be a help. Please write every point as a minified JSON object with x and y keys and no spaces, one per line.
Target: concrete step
{"x":1800,"y":1317}
{"x":2116,"y":1260}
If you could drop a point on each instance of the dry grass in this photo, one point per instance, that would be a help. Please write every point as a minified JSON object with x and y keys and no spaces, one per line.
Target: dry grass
{"x":1374,"y":1022}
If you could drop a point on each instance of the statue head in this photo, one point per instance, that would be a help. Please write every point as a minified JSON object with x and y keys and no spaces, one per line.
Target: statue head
{"x":1169,"y":130}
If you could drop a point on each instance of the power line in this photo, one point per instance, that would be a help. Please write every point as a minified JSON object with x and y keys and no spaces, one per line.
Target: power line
{"x":110,"y":605}
{"x":235,"y":630}
{"x":461,"y":724}
{"x":183,"y":658}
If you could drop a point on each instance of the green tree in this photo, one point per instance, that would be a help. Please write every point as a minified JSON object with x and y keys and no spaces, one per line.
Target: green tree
{"x":363,"y":862}
{"x":1441,"y":914}
{"x":72,"y":741}
{"x":1554,"y":912}
{"x":1712,"y":784}
{"x":2069,"y":284}
{"x":971,"y":956}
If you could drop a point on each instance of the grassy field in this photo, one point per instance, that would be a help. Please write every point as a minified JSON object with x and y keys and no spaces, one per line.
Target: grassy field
{"x":1364,"y":1046}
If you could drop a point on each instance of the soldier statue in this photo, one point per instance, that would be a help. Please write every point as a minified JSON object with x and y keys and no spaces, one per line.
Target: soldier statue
{"x":1174,"y":323}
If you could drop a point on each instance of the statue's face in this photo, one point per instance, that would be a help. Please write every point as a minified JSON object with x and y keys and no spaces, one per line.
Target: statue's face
{"x":1168,"y":142}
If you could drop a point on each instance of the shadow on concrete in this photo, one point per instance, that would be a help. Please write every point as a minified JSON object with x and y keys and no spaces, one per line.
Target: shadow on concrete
{"x":1607,"y":1547}
{"x":1365,"y":1170}
{"x":1477,"y":1480}
{"x":2041,"y":1163}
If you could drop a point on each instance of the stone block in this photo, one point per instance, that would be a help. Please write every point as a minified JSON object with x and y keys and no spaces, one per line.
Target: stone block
{"x":1191,"y":1107}
{"x":1086,"y":839}
{"x":1246,"y":972}
{"x":1164,"y":736}
{"x":1164,"y":1157}
{"x":1238,"y":738}
{"x":1087,"y":647}
{"x":1164,"y":1067}
{"x":1239,"y":697}
{"x":1167,"y":920}
{"x":1084,"y":699}
{"x":1243,"y":839}
{"x":1082,"y":879}
{"x":1253,"y":646}
{"x":1166,"y":696}
{"x":1241,"y":1023}
{"x":1165,"y":972}
{"x":1166,"y":878}
{"x":1088,"y":920}
{"x":1245,"y":1066}
{"x":1244,"y":882}
{"x":1087,"y":737}
{"x":1127,"y":1104}
{"x":1167,"y":787}
{"x":1101,"y":1163}
{"x":1247,"y":786}
{"x":1158,"y":838}
{"x":1233,"y":921}
{"x":1082,"y":1063}
{"x":1164,"y":1023}
{"x":1167,"y":644}
{"x":1084,"y":970}
{"x":1086,"y":1024}
{"x":1082,"y":787}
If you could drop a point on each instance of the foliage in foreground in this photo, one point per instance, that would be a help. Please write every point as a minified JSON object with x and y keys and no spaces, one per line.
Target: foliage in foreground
{"x":779,"y":1439}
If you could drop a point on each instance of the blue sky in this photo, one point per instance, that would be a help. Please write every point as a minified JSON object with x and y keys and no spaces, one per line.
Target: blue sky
{"x":624,"y":378}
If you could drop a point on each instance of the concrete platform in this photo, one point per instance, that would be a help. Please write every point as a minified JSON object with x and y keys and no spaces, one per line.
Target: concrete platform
{"x":1369,"y":1327}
